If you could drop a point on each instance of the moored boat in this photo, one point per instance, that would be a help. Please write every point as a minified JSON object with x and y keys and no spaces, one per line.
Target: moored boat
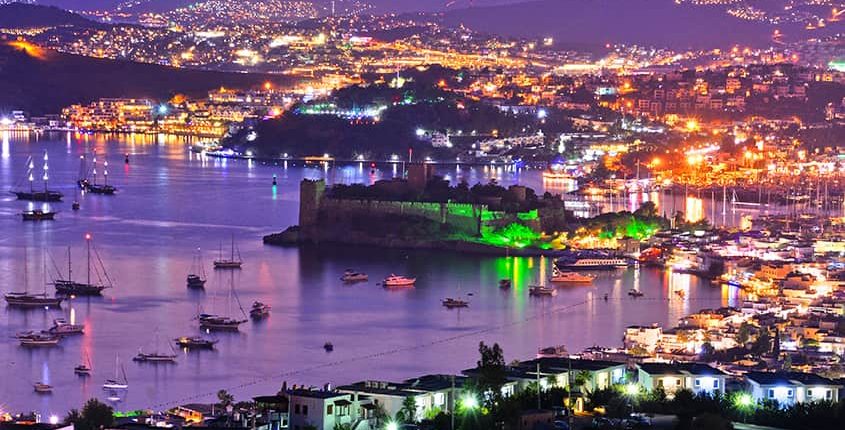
{"x":350,"y":276}
{"x":119,"y":382}
{"x":154,"y":357}
{"x":26,"y":300}
{"x":259,"y":310}
{"x":195,"y":342}
{"x":196,"y":278}
{"x":45,"y":195}
{"x":38,"y":215}
{"x":62,"y":327}
{"x":635,"y":293}
{"x":540,"y":290}
{"x":572,"y":278}
{"x":398,"y":281}
{"x":452,"y":303}
{"x":218,"y":322}
{"x":39,"y":339}
{"x":42,"y":388}
{"x":69,"y":287}
{"x":229,"y":263}
{"x":504,"y":283}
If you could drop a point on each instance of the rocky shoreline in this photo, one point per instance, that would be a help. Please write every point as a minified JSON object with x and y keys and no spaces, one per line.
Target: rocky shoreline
{"x":292,"y":237}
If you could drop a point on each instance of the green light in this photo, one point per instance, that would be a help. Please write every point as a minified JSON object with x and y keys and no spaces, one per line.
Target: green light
{"x":392,"y":426}
{"x":469,"y":402}
{"x":744,"y":400}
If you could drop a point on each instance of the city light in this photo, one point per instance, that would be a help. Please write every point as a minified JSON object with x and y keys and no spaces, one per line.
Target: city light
{"x":392,"y":425}
{"x":420,"y":132}
{"x":744,"y":400}
{"x":54,"y":419}
{"x":632,"y":390}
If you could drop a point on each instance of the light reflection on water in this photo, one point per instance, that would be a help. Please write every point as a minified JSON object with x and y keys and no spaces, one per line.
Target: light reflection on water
{"x":172,"y":201}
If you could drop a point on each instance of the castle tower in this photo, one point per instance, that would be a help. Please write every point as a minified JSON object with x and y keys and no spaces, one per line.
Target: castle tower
{"x":310,"y":196}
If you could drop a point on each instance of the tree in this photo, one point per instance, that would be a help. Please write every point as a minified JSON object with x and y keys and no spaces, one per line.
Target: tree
{"x":95,"y":415}
{"x":707,"y":351}
{"x":743,"y":335}
{"x":408,"y":412}
{"x":225,"y":399}
{"x":491,"y":371}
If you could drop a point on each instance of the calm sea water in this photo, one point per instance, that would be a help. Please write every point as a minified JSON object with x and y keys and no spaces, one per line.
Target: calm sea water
{"x":172,"y":202}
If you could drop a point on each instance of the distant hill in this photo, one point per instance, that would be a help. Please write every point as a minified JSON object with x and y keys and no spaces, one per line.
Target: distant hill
{"x":42,"y":81}
{"x":20,"y":15}
{"x":592,"y":23}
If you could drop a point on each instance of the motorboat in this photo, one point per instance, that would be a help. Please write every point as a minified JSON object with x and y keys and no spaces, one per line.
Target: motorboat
{"x":635,"y":293}
{"x":195,"y":282}
{"x":350,"y":276}
{"x":63,"y":328}
{"x":38,"y":215}
{"x":259,"y":310}
{"x":504,"y":284}
{"x":540,"y":290}
{"x":328,"y":347}
{"x":42,"y":388}
{"x":571,"y":278}
{"x":453,"y":303}
{"x":398,"y":281}
{"x":195,"y":342}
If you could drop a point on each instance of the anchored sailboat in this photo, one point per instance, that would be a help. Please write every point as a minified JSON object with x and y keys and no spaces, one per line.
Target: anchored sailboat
{"x":220,"y":322}
{"x":45,"y":195}
{"x":25,"y":299}
{"x":196,"y":278}
{"x":117,"y":383}
{"x":155,"y":357}
{"x":91,"y":185}
{"x":231,"y":262}
{"x":69,"y":287}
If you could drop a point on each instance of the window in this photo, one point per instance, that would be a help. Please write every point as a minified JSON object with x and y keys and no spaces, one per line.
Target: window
{"x":828,"y":394}
{"x":771,"y":393}
{"x":809,"y":393}
{"x":697,"y":383}
{"x":660,"y":383}
{"x":304,"y":409}
{"x":678,"y":382}
{"x":789,"y":392}
{"x":715,"y":383}
{"x":296,"y":408}
{"x":329,"y":409}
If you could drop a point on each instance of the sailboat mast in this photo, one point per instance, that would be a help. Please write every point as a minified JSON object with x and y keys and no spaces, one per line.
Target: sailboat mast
{"x":25,"y":271}
{"x":105,"y":172}
{"x":69,"y":266}
{"x":46,"y":167}
{"x":232,"y":258}
{"x":88,"y":241}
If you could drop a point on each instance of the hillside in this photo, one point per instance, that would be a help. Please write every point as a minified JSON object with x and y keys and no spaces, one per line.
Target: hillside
{"x":593,"y":23}
{"x":42,"y":81}
{"x":19,"y":15}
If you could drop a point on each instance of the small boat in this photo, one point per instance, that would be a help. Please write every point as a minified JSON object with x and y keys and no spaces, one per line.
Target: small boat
{"x":75,"y":205}
{"x":195,"y":342}
{"x":350,"y":276}
{"x":231,"y":262}
{"x":454,"y":303}
{"x":63,"y":328}
{"x":42,"y":388}
{"x":635,"y":293}
{"x":117,"y":383}
{"x":540,"y":290}
{"x":328,"y":347}
{"x":398,"y":281}
{"x":259,"y":310}
{"x":38,"y":215}
{"x":571,"y":278}
{"x":504,"y":284}
{"x":195,"y":282}
{"x":681,"y":293}
{"x":40,"y":339}
{"x":154,"y":357}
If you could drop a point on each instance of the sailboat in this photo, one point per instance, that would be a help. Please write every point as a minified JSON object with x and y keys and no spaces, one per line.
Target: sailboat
{"x":231,"y":262}
{"x":69,"y":287}
{"x":92,"y":186}
{"x":117,"y":383}
{"x":155,"y":357}
{"x":83,"y":369}
{"x":27,"y":300}
{"x":220,"y":322}
{"x":45,"y":195}
{"x":197,"y":278}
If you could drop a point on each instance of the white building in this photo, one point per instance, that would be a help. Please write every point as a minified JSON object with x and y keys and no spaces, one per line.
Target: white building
{"x":788,"y":388}
{"x":671,"y":377}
